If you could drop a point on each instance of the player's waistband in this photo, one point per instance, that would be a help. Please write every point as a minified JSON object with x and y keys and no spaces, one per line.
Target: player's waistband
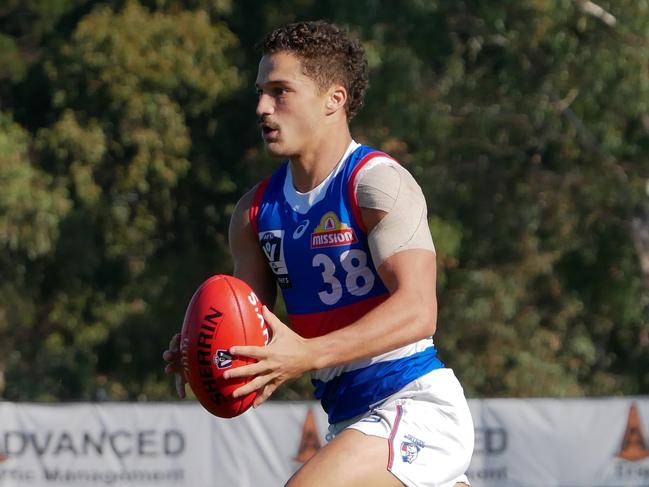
{"x":357,"y":391}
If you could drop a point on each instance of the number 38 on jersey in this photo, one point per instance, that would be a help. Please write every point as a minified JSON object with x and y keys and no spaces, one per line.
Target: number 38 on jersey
{"x":359,"y":278}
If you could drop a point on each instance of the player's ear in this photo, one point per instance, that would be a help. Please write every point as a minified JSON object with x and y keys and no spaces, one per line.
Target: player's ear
{"x":336,"y":98}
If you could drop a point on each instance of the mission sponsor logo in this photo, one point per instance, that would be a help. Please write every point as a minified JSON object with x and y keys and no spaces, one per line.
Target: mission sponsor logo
{"x":331,"y":232}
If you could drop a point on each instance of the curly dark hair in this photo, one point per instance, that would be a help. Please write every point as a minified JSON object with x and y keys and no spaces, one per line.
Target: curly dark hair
{"x":328,"y":55}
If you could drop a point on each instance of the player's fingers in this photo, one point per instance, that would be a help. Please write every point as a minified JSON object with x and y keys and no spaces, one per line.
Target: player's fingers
{"x":255,"y":384}
{"x":249,"y":351}
{"x":174,"y":344}
{"x":169,"y":356}
{"x":273,"y":321}
{"x":265,"y":394}
{"x":180,"y":386}
{"x":172,"y":368}
{"x":246,"y":371}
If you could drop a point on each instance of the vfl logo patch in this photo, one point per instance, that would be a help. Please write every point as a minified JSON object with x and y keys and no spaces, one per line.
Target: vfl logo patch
{"x":222,"y":359}
{"x":332,"y":233}
{"x":272,"y":243}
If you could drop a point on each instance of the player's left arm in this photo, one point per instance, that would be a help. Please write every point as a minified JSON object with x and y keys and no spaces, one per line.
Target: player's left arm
{"x":393,"y":209}
{"x":408,"y":315}
{"x":405,"y":258}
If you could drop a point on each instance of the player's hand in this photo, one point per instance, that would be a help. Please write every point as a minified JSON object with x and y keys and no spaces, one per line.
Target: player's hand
{"x":286,"y":357}
{"x":174,"y":366}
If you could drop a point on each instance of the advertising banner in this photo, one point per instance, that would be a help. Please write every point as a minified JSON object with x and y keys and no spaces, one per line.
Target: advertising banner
{"x":560,"y":442}
{"x":519,"y":443}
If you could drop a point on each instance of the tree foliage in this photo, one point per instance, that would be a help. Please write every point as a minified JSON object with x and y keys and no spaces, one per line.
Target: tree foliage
{"x":127,"y":134}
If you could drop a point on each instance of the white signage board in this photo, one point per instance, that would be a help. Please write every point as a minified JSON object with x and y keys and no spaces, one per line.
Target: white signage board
{"x":519,"y":443}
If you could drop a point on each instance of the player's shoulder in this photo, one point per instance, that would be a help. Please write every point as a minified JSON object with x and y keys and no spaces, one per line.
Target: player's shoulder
{"x":241,"y":212}
{"x":384,"y":172}
{"x":381,"y":165}
{"x":247,"y":198}
{"x":245,"y":202}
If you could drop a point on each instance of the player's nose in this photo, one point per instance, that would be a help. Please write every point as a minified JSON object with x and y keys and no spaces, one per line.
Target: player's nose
{"x":264,"y":105}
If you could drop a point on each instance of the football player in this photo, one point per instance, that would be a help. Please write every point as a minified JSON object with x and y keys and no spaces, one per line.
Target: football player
{"x":342,"y":229}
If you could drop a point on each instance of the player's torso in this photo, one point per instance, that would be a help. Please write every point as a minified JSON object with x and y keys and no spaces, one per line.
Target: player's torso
{"x":321,"y":260}
{"x":320,"y":256}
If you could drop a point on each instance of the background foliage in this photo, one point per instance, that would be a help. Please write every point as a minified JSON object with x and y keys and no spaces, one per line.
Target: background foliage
{"x":127,"y":134}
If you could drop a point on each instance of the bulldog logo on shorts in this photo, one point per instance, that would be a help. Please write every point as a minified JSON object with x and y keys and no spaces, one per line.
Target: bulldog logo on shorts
{"x":409,"y":451}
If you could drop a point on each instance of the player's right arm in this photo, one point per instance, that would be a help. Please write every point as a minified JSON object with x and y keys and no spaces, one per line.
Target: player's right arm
{"x":249,"y":265}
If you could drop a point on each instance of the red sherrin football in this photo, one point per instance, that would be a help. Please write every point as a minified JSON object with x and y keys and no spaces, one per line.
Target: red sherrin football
{"x":223,"y":312}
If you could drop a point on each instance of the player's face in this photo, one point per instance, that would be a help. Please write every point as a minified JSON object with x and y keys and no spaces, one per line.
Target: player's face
{"x":291,"y":108}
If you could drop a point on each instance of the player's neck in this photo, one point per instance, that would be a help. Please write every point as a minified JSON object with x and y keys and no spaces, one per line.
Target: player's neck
{"x":315,"y":163}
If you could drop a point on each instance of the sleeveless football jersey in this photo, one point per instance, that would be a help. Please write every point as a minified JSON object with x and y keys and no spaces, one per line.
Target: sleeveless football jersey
{"x":321,"y":261}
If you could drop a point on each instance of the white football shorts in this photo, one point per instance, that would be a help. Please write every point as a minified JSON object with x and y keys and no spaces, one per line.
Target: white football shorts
{"x":429,"y":430}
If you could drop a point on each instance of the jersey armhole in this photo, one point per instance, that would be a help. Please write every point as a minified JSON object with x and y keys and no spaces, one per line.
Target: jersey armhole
{"x":253,"y":211}
{"x":352,"y":183}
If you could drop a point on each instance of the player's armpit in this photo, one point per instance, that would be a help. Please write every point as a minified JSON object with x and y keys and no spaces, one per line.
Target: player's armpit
{"x":403,"y":225}
{"x":250,"y":264}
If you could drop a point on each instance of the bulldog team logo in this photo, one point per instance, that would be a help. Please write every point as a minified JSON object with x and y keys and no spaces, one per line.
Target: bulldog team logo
{"x":409,"y":451}
{"x":332,"y":233}
{"x":410,"y":448}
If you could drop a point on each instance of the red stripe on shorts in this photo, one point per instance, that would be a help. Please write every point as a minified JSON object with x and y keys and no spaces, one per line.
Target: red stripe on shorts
{"x":393,"y":433}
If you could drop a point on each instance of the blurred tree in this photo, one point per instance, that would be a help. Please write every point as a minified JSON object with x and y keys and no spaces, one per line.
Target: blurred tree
{"x":133,"y":129}
{"x":506,"y":114}
{"x":532,"y":170}
{"x":32,"y":205}
{"x":126,"y":85}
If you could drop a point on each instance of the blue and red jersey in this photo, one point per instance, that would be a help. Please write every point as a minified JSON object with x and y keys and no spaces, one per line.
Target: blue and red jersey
{"x":322,"y":263}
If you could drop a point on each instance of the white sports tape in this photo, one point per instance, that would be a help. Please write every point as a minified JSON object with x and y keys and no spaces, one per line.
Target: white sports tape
{"x":387,"y":186}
